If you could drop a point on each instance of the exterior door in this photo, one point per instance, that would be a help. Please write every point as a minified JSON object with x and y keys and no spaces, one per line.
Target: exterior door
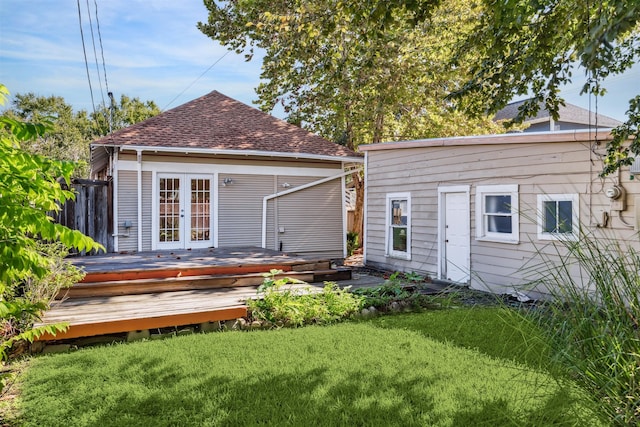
{"x":184,"y":211}
{"x":455,"y":236}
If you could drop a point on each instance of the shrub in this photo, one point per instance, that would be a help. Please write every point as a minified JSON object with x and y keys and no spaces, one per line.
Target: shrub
{"x":281,"y":303}
{"x":352,"y":242}
{"x":33,"y":294}
{"x":592,"y":323}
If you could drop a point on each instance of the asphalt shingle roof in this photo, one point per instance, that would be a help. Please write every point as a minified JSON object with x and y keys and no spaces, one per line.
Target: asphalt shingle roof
{"x":568,"y":113}
{"x":217,"y":122}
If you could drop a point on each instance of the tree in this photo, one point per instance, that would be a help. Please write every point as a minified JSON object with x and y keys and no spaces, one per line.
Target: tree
{"x":70,"y":133}
{"x":128,"y":112}
{"x":355,"y":74}
{"x":67,"y":136}
{"x":534,"y":47}
{"x":29,"y":189}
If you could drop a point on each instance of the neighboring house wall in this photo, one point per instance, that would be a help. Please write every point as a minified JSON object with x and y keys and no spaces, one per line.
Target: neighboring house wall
{"x":310,"y":221}
{"x":426,"y":174}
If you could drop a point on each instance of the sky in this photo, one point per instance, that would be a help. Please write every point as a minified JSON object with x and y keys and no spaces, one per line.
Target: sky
{"x":152,"y":50}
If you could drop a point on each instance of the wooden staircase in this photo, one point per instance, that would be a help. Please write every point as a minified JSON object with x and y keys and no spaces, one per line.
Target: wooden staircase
{"x":135,"y":282}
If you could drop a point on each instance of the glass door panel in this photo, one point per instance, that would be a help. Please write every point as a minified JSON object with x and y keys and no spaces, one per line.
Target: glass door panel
{"x":200,"y":211}
{"x":170,"y":212}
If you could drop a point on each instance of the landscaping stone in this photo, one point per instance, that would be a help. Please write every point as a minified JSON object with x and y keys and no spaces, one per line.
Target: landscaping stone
{"x":210,"y":326}
{"x":56,"y":348}
{"x":37,"y":346}
{"x":138,"y":335}
{"x":239,"y":324}
{"x":256,"y":324}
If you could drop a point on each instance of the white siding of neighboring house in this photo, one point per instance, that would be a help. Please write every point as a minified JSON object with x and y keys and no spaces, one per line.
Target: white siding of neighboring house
{"x":537,"y":168}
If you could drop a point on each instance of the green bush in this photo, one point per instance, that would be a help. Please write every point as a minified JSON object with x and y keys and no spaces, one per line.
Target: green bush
{"x":353,"y":242}
{"x":402,"y":288}
{"x":282,"y":304}
{"x":592,"y":323}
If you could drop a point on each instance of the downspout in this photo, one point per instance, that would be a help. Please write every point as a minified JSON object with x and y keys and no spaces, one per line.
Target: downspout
{"x":139,"y":158}
{"x":114,"y":174}
{"x":364,"y":209}
{"x":265,"y":199}
{"x":343,"y":184}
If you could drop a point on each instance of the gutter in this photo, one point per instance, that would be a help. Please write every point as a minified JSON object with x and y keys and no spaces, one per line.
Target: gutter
{"x":265,"y":199}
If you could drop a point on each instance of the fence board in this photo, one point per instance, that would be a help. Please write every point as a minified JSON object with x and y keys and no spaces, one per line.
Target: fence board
{"x":90,"y":212}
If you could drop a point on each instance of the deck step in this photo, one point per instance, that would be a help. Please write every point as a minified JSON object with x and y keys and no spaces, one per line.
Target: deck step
{"x":185,"y":283}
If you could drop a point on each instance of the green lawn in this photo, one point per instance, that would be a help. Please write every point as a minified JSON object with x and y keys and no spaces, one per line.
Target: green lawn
{"x":441,"y":368}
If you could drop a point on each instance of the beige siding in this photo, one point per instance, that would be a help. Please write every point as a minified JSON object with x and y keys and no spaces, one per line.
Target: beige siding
{"x":147,"y":209}
{"x":240,"y":209}
{"x":310,"y":221}
{"x":99,"y":162}
{"x":537,"y":168}
{"x":127,"y":210}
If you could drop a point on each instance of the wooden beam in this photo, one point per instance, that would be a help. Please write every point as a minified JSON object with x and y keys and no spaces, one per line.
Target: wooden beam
{"x":109,"y":276}
{"x":127,"y":325}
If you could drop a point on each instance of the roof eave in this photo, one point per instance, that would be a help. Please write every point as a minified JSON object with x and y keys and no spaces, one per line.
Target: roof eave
{"x":495,"y":139}
{"x":195,"y":150}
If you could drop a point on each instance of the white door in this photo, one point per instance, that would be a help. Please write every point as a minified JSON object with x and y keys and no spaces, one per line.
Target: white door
{"x":184,"y":211}
{"x":456,"y":235}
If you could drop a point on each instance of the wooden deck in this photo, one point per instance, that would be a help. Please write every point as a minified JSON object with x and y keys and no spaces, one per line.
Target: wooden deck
{"x":124,"y":293}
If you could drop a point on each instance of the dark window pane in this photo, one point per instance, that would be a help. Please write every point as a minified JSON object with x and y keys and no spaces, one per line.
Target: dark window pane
{"x":499,"y":224}
{"x":498,"y":204}
{"x":550,"y":216}
{"x":399,"y":239}
{"x":565,"y":217}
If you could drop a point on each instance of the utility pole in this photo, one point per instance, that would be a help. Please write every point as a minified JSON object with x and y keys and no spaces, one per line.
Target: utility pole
{"x":111,"y":108}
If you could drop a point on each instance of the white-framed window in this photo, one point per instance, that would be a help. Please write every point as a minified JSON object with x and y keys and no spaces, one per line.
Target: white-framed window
{"x":497,"y":218}
{"x":398,"y":225}
{"x":558,"y":216}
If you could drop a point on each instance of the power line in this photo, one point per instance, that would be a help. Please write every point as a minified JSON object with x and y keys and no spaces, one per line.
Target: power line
{"x":104,"y":67}
{"x":86,"y":62}
{"x":95,"y":54}
{"x":194,"y":82}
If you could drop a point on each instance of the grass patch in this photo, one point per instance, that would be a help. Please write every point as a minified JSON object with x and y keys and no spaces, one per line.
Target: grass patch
{"x":389,"y":371}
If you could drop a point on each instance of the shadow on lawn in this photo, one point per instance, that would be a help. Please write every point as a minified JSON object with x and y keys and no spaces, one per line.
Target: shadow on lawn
{"x":155,"y":393}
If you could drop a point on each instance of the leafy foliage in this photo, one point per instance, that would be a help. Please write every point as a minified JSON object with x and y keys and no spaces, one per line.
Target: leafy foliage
{"x":348,"y":76}
{"x":30,"y":189}
{"x":69,"y":133}
{"x":533,"y":47}
{"x":280,"y":303}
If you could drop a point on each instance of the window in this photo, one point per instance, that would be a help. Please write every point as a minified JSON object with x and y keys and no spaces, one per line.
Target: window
{"x":558,"y":216}
{"x":398,"y":234}
{"x":497,"y":213}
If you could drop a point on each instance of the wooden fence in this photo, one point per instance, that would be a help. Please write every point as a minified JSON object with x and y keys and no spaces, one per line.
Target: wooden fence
{"x":90,"y":212}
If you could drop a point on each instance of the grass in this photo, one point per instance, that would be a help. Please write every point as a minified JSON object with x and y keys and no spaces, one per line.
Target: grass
{"x":439,"y":368}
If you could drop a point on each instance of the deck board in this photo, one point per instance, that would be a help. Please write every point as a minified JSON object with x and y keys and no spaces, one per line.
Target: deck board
{"x":107,"y":314}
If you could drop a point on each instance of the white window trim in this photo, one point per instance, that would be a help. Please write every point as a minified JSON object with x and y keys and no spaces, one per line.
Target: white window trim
{"x":481,"y":233}
{"x":575,"y":214}
{"x":387,"y":225}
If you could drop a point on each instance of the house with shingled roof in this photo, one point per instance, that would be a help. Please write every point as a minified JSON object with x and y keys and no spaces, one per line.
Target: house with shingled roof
{"x":570,"y":117}
{"x":215,"y":172}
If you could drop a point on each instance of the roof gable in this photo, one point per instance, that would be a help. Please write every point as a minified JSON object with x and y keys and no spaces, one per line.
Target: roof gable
{"x":218,"y":123}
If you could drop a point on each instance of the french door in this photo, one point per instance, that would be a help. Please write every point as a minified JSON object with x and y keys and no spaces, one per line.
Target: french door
{"x":184,"y":211}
